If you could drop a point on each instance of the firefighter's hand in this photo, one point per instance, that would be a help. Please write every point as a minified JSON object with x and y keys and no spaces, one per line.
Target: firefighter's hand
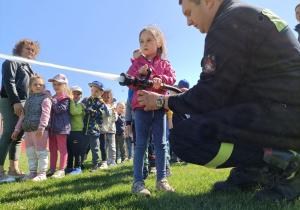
{"x":148,"y":100}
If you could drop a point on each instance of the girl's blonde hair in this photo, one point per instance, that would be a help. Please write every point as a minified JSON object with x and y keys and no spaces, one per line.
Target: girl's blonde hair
{"x":34,"y":78}
{"x":159,"y":37}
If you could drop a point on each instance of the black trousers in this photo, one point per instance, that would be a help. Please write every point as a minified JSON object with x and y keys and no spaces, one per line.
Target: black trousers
{"x":249,"y":127}
{"x":74,"y":141}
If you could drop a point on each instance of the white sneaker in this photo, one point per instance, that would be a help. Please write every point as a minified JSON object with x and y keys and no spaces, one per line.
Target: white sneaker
{"x":139,"y":188}
{"x":113,"y":164}
{"x":59,"y":174}
{"x":119,"y":161}
{"x":5,"y":178}
{"x":103,"y":166}
{"x":39,"y":177}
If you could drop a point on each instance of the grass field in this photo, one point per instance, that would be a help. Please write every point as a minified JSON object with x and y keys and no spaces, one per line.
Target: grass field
{"x":110,"y":189}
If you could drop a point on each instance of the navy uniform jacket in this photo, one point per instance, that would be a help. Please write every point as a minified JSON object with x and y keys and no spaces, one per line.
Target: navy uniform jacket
{"x":249,"y":87}
{"x":250,"y":55}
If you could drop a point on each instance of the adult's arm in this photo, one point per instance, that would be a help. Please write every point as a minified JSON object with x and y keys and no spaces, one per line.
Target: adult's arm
{"x":9,"y":73}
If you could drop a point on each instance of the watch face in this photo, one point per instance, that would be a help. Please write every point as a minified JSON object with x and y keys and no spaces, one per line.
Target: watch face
{"x":160,"y":102}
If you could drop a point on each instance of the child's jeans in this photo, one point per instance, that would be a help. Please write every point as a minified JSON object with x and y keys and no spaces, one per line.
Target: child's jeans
{"x":111,"y":144}
{"x":103,"y":147}
{"x":94,"y":143}
{"x":58,"y":142}
{"x":120,"y":145}
{"x":129,"y":147}
{"x":143,"y":121}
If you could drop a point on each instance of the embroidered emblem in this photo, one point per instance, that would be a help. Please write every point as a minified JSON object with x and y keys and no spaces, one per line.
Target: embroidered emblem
{"x":209,"y":64}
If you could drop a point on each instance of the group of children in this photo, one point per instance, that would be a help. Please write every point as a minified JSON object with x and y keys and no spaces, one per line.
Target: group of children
{"x":72,"y":125}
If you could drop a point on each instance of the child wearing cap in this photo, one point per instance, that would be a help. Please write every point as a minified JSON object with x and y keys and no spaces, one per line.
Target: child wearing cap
{"x":76,"y":136}
{"x":60,"y":124}
{"x":93,"y":121}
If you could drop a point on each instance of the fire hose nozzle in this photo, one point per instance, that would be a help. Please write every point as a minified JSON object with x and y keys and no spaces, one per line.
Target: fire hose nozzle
{"x":128,"y":79}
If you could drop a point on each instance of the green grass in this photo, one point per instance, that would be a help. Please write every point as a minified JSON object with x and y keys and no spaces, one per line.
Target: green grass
{"x":110,"y":189}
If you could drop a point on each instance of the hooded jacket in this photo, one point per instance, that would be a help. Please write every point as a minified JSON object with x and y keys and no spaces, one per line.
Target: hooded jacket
{"x":60,"y":115}
{"x":160,"y":68}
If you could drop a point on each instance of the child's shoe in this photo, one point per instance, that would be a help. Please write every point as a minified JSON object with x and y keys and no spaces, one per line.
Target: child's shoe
{"x":95,"y":168}
{"x":39,"y":177}
{"x":59,"y":174}
{"x":76,"y":171}
{"x":69,"y":170}
{"x":119,"y":160}
{"x":113,"y":164}
{"x":152,"y":170}
{"x":29,"y":176}
{"x":50,"y":172}
{"x":5,"y":178}
{"x":164,"y":185}
{"x":103,"y":166}
{"x":138,"y":188}
{"x":16,"y":173}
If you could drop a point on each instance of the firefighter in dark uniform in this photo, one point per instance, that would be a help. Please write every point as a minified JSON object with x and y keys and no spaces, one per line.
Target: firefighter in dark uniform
{"x":245,"y":109}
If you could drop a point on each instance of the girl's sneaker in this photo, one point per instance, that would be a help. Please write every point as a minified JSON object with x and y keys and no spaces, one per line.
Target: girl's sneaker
{"x":103,"y":166}
{"x":113,"y":164}
{"x":39,"y":177}
{"x":50,"y":172}
{"x":152,"y":170}
{"x":59,"y":174}
{"x":29,"y":176}
{"x":164,"y":185}
{"x":139,"y":188}
{"x":76,"y":171}
{"x":69,"y":170}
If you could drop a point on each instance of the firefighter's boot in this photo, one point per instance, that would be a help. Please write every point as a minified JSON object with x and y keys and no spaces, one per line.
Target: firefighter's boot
{"x":244,"y":178}
{"x":286,"y":177}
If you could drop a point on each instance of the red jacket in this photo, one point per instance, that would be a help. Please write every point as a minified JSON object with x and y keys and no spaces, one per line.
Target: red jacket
{"x":160,"y":68}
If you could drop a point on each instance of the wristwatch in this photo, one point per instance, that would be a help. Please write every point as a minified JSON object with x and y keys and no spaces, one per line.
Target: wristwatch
{"x":160,"y":101}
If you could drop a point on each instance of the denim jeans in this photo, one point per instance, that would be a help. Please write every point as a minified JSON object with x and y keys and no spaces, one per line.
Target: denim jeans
{"x":143,"y":121}
{"x":129,"y":147}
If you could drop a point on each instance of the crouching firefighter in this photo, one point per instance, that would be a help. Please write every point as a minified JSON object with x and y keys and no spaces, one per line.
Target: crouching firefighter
{"x":245,"y":109}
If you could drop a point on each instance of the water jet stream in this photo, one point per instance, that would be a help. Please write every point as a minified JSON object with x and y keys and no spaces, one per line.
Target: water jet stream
{"x":113,"y":77}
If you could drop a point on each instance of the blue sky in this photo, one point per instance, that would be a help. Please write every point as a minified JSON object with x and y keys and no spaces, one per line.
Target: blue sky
{"x":101,"y":35}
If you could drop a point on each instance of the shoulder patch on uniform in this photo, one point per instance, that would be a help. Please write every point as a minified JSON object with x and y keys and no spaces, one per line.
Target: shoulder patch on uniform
{"x":209,"y":62}
{"x":279,"y":23}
